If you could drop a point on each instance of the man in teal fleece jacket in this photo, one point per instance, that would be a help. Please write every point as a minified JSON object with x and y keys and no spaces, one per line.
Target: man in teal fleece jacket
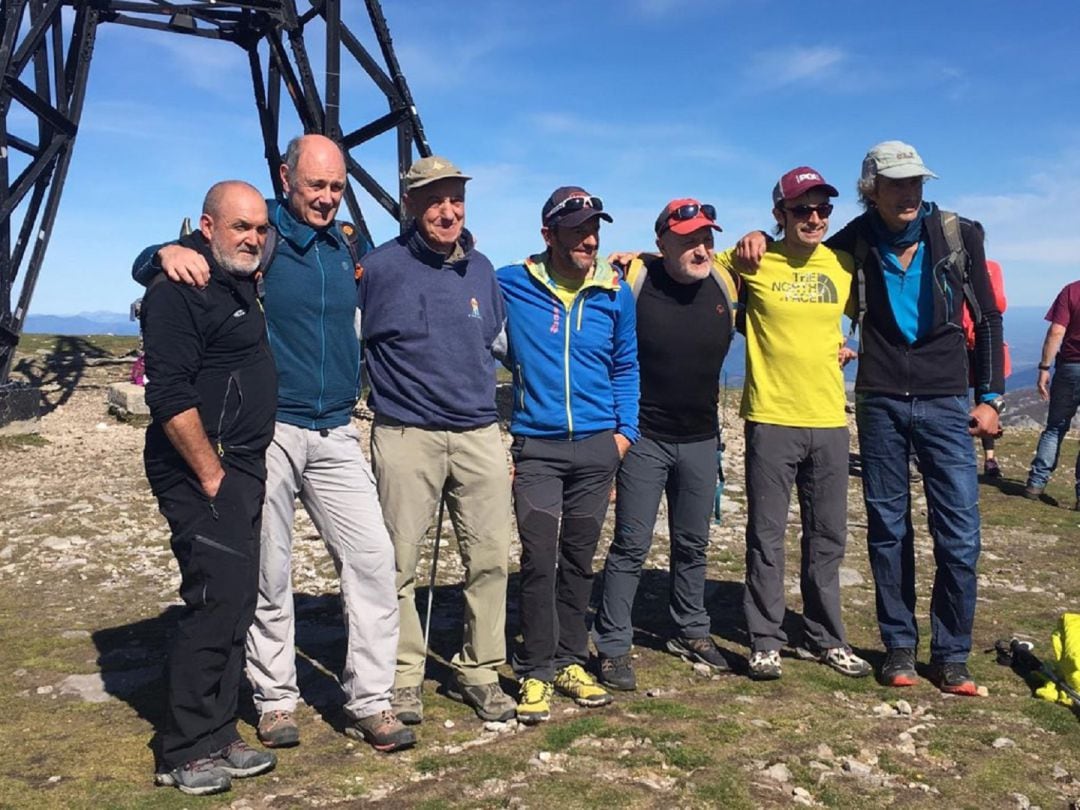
{"x":310,"y":304}
{"x":573,"y":353}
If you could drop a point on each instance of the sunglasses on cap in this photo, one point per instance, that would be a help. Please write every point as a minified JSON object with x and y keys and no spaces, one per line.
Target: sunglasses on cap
{"x":688,"y":211}
{"x":823,"y":210}
{"x":572,"y":204}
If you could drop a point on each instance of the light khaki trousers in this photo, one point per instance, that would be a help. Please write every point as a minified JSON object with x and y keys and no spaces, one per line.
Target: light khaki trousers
{"x":413,"y":468}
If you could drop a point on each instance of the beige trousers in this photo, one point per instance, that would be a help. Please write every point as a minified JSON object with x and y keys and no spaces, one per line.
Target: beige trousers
{"x":413,"y":468}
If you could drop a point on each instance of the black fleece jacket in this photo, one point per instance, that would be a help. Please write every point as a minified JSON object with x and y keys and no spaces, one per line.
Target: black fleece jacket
{"x":937,"y":363}
{"x":207,"y":349}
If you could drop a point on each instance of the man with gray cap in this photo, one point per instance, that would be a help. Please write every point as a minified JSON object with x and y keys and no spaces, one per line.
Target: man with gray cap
{"x":916,"y":268}
{"x":573,"y":352}
{"x":431,"y":312}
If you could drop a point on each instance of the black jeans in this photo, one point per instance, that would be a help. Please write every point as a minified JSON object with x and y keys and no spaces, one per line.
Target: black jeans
{"x":560,"y":499}
{"x":216,"y":544}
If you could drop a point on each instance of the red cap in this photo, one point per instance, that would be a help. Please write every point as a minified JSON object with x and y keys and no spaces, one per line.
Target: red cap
{"x":799,"y":181}
{"x":667,"y":221}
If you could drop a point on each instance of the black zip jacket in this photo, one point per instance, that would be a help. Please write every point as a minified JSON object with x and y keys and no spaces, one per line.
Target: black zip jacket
{"x":207,"y":349}
{"x":937,"y":363}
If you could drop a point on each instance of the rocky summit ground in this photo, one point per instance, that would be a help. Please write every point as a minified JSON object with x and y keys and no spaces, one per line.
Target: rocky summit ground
{"x":88,"y":598}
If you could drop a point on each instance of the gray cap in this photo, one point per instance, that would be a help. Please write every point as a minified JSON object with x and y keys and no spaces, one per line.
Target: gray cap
{"x":429,"y":169}
{"x":894,"y":159}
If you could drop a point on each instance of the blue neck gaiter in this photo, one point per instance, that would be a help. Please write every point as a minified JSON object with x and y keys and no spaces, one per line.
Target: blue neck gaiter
{"x":896,"y":241}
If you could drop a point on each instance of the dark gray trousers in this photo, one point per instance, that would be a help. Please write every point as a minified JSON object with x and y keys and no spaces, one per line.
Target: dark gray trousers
{"x":560,"y":500}
{"x":815,"y":460}
{"x":687,"y":473}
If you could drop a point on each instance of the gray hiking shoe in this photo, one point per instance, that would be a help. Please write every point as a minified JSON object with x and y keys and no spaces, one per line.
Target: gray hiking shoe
{"x":383,"y":731}
{"x":278,"y":729}
{"x":200,"y":777}
{"x":617,"y":672}
{"x":701,"y":650}
{"x":408,"y":704}
{"x":238,"y":759}
{"x":488,"y":700}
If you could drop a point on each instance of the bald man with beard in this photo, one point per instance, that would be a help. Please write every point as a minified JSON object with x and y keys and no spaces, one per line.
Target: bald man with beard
{"x":207,"y":354}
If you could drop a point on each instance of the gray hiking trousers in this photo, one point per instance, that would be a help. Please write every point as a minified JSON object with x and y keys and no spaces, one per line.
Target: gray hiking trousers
{"x":815,"y":460}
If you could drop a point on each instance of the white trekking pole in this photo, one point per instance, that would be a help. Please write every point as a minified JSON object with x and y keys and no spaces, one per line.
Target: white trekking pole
{"x":434,"y":568}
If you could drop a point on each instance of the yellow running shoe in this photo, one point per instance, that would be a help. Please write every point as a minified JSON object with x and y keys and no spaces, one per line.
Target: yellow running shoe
{"x":534,"y":705}
{"x":574,"y":682}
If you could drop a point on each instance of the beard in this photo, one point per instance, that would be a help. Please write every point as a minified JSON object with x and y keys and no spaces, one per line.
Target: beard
{"x":238,"y":264}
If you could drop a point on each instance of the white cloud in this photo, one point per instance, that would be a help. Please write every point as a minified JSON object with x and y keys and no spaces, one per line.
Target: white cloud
{"x":781,"y":67}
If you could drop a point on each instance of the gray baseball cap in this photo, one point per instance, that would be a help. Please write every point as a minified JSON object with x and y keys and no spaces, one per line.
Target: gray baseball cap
{"x":896,"y":160}
{"x":429,"y":169}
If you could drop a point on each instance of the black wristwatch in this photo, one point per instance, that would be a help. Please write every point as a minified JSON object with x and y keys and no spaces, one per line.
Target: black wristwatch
{"x":1043,"y":367}
{"x":997,"y":403}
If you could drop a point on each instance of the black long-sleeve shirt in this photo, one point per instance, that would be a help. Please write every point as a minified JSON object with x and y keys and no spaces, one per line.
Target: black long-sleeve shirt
{"x":207,"y":349}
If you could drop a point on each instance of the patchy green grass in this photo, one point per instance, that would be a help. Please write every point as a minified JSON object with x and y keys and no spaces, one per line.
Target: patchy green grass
{"x":559,"y":737}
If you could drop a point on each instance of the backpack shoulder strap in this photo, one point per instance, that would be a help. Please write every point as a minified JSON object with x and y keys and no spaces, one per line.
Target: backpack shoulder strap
{"x":269,"y":249}
{"x":729,"y":289}
{"x":635,"y":276}
{"x":356,"y":245}
{"x":858,"y":255}
{"x":958,"y":256}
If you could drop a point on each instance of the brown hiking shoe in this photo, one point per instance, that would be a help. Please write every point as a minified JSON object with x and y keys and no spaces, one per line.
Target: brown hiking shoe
{"x":277,"y":729}
{"x":382,"y":731}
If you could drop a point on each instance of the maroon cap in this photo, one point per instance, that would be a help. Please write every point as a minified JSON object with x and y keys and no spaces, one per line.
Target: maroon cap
{"x":799,"y":181}
{"x":557,"y":211}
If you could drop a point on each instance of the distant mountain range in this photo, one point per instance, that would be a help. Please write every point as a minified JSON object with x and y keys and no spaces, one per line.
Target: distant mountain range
{"x":84,"y":323}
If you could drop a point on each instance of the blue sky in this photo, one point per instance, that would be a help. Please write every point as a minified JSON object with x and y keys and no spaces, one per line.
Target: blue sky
{"x":640,"y":101}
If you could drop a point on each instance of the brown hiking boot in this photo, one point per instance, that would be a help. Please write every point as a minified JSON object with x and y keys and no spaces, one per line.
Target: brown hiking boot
{"x":382,"y":731}
{"x":277,"y":729}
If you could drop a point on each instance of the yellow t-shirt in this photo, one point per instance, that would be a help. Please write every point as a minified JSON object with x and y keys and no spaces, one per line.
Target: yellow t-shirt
{"x":793,"y":333}
{"x":566,"y":289}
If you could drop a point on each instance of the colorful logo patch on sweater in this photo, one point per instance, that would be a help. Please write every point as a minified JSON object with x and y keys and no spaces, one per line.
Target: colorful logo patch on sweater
{"x":475,"y":308}
{"x":807,"y":288}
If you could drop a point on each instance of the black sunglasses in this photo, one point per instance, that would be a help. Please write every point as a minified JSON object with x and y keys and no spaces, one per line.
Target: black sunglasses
{"x":571,"y":204}
{"x":804,"y":211}
{"x":688,"y":211}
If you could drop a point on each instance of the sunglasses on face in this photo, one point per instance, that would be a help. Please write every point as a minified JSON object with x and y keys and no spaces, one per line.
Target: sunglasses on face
{"x":804,"y":211}
{"x":571,"y":204}
{"x":688,"y":211}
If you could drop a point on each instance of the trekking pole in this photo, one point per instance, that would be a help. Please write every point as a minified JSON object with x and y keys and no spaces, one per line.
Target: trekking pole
{"x":1021,"y":655}
{"x":434,"y":568}
{"x":718,"y":496}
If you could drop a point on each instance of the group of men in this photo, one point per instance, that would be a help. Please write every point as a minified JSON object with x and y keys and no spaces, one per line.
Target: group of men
{"x":615,"y":375}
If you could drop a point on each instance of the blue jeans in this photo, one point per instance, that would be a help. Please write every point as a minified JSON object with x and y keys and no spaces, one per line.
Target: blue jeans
{"x":936,"y":429}
{"x":1064,"y":400}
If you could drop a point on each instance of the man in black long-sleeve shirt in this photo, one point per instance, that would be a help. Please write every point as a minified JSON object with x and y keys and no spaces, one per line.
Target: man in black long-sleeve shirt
{"x":212,"y":393}
{"x":684,"y":328}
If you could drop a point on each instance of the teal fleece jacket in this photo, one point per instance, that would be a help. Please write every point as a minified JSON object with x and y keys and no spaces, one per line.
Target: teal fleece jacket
{"x":310,"y":304}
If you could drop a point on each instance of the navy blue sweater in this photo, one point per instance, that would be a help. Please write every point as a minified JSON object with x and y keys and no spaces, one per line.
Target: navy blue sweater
{"x":428,"y":328}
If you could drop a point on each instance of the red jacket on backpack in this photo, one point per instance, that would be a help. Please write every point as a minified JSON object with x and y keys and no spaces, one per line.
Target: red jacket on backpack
{"x":997,"y":283}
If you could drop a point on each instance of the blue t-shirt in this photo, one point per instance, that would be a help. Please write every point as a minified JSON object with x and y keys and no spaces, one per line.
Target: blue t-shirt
{"x":911,"y":292}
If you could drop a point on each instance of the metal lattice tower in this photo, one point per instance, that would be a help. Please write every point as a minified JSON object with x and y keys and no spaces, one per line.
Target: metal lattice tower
{"x":44,"y":70}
